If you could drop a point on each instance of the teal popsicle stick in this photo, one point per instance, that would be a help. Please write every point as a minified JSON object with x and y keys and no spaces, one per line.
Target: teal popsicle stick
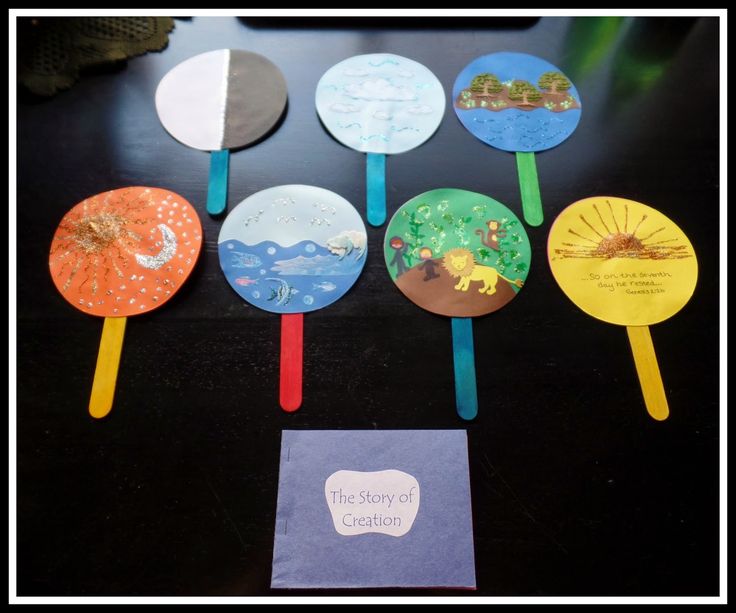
{"x":376,"y":184}
{"x":531,"y":200}
{"x":217,"y":188}
{"x":466,"y":392}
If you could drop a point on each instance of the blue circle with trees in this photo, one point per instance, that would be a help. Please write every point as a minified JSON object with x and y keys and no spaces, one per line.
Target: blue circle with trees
{"x":516,"y":102}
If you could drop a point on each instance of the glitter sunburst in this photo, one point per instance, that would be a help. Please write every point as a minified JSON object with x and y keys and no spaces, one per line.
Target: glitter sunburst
{"x":611,"y":239}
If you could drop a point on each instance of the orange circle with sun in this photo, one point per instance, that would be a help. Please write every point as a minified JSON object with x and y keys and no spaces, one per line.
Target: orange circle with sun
{"x":126,"y":251}
{"x":622,"y":261}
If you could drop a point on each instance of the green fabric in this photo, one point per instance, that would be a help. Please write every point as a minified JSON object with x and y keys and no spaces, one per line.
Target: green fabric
{"x":53,"y":50}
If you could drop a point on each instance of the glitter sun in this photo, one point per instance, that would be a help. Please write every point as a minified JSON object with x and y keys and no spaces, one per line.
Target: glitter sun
{"x":614,"y":240}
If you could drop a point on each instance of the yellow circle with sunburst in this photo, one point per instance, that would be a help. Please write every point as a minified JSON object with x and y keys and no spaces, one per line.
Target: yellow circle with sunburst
{"x":622,"y":261}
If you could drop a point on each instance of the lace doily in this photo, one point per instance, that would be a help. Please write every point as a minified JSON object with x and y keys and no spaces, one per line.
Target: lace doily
{"x":52,"y":51}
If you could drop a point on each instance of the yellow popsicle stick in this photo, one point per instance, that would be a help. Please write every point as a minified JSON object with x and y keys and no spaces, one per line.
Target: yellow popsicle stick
{"x":106,"y":372}
{"x":648,"y":371}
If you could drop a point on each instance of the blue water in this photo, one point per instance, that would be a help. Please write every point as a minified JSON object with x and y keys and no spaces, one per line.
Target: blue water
{"x":296,"y":279}
{"x":515,"y":130}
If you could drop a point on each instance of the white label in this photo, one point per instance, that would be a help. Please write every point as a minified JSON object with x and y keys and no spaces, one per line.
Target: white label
{"x":384,"y":501}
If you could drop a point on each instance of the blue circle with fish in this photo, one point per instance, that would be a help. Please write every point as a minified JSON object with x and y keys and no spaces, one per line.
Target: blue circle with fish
{"x":292,"y":248}
{"x":516,"y":102}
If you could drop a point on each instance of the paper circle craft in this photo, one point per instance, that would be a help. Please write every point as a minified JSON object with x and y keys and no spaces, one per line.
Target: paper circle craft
{"x":380,"y":104}
{"x":461,"y":254}
{"x":625,"y":263}
{"x":290,"y":250}
{"x":520,"y":103}
{"x":221,"y":100}
{"x":121,"y":253}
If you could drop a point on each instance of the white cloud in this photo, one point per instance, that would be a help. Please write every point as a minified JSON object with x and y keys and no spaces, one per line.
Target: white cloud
{"x":420,"y":109}
{"x":379,"y":89}
{"x":339,"y":107}
{"x":405,"y":74}
{"x":382,"y":115}
{"x":355,"y":72}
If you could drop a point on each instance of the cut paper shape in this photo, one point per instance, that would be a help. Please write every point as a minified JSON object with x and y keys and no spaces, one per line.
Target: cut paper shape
{"x":379,"y":104}
{"x":383,"y":501}
{"x":519,"y":103}
{"x":290,"y":250}
{"x":460,"y":254}
{"x":627,"y":264}
{"x":372,"y":508}
{"x":221,"y":100}
{"x":121,"y":253}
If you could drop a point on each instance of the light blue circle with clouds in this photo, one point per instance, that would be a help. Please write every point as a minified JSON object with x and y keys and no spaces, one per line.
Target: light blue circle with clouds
{"x":380,"y":103}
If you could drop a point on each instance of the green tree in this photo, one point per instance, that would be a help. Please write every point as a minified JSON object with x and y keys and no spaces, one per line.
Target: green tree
{"x":486,"y":84}
{"x":524,"y":91}
{"x":555,"y":82}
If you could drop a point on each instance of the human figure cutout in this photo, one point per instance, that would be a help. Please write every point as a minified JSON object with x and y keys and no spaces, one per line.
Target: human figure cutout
{"x":400,"y":247}
{"x":428,"y":264}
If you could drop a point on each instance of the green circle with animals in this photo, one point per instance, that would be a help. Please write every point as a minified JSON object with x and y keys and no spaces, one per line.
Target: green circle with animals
{"x":457,"y":253}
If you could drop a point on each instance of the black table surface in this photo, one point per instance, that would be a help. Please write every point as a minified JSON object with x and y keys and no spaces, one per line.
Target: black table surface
{"x":576,"y":491}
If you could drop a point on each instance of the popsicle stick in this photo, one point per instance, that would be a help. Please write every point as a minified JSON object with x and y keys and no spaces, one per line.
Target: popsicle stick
{"x":531,"y":200}
{"x":648,"y":371}
{"x":217,"y":188}
{"x":106,"y":372}
{"x":290,"y":384}
{"x":375,"y":174}
{"x":466,"y":393}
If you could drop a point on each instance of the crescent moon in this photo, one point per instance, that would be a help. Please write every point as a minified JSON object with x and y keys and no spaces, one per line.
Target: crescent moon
{"x":168,"y":250}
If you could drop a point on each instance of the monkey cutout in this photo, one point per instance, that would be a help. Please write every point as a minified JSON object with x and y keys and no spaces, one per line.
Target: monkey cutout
{"x":495,"y":233}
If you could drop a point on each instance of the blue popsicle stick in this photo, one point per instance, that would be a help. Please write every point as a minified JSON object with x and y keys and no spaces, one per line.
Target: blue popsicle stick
{"x":217,"y":188}
{"x":466,"y":393}
{"x":376,"y":181}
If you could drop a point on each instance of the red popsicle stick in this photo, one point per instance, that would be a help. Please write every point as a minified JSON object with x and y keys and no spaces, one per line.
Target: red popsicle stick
{"x":290,"y":385}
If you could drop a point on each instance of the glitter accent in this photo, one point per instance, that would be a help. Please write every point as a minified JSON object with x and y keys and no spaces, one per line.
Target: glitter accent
{"x":154,"y":262}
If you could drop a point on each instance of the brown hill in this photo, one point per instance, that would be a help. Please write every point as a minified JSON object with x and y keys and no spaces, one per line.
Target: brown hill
{"x":440,"y":296}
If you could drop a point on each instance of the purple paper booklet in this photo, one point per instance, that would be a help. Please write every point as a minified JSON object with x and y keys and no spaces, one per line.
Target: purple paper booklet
{"x":373,"y":508}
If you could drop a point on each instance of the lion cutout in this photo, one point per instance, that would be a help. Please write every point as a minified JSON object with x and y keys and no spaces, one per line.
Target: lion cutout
{"x":461,"y":263}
